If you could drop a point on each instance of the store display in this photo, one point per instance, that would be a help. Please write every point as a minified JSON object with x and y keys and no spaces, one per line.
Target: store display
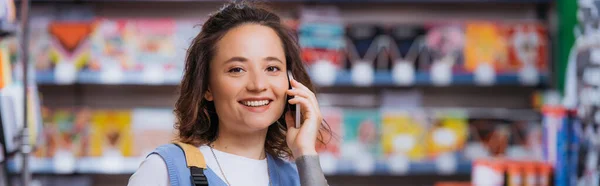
{"x":361,"y":138}
{"x":321,"y":36}
{"x":405,"y":49}
{"x":485,"y":51}
{"x":330,"y":153}
{"x":444,"y":46}
{"x":111,"y":133}
{"x":69,"y":48}
{"x":151,"y":128}
{"x":528,"y":51}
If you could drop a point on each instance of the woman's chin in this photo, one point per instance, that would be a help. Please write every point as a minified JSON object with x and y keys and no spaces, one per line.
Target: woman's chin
{"x":257,"y":125}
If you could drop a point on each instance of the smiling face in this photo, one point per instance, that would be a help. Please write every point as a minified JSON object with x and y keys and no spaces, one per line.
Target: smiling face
{"x":247,"y":78}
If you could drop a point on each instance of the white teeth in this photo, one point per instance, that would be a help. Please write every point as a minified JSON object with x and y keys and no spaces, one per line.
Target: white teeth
{"x":256,"y":103}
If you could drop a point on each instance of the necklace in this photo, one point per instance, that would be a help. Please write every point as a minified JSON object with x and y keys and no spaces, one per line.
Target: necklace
{"x":221,"y":169}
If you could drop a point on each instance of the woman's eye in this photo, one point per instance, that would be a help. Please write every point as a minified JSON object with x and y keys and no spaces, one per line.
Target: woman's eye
{"x":273,"y":69}
{"x":236,"y":70}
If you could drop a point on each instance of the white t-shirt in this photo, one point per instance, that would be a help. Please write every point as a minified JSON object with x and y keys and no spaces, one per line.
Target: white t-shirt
{"x":238,"y":169}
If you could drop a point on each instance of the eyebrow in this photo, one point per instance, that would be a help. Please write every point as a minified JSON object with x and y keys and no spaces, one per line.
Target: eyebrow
{"x":243,"y":59}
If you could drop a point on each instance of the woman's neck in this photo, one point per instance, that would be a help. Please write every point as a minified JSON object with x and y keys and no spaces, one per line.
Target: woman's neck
{"x":250,"y":145}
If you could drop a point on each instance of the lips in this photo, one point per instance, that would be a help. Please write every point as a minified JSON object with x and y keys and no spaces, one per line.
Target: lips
{"x":256,"y":104}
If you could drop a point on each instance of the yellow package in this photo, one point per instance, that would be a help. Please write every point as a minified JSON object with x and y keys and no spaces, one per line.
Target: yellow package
{"x":402,"y":134}
{"x":485,"y":44}
{"x":111,"y":130}
{"x":448,"y":134}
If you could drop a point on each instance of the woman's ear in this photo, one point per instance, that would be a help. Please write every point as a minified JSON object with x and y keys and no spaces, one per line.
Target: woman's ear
{"x":208,"y":95}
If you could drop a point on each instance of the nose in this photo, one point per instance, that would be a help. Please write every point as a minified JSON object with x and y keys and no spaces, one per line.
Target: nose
{"x":257,"y":82}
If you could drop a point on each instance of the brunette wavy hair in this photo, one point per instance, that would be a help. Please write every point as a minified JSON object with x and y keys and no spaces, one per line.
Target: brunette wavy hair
{"x":197,"y":120}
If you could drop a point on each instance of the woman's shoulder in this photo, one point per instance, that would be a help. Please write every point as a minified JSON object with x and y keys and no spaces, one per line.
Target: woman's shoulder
{"x":152,"y":171}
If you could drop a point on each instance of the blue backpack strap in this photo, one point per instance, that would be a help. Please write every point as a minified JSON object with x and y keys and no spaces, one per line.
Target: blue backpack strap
{"x":282,"y":172}
{"x":179,"y":173}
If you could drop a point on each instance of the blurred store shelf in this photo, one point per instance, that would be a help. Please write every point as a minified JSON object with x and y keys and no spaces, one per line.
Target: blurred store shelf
{"x":125,"y":165}
{"x":343,"y":78}
{"x":125,"y":78}
{"x":129,"y":165}
{"x":317,"y":1}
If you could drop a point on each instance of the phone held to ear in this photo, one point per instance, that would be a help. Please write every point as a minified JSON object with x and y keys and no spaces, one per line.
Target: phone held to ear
{"x":293,"y":108}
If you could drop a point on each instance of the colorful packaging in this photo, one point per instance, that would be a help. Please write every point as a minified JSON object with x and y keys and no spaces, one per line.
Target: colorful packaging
{"x":557,"y":141}
{"x":527,"y":46}
{"x":403,"y":134}
{"x":361,"y":139}
{"x":70,"y":43}
{"x":112,"y":44}
{"x":484,"y":45}
{"x":151,"y":128}
{"x":333,"y":117}
{"x":111,"y":131}
{"x":65,"y":130}
{"x":448,"y":134}
{"x":514,"y":174}
{"x":155,"y":43}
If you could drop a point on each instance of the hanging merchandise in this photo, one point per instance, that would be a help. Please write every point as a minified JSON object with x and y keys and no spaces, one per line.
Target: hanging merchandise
{"x":444,"y":46}
{"x":582,"y":81}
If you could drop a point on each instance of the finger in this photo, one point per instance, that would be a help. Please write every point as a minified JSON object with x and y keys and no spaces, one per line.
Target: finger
{"x":306,"y":108}
{"x":298,"y":85}
{"x":302,"y":93}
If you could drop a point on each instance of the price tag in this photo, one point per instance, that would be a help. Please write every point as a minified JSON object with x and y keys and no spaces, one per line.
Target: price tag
{"x":111,"y":74}
{"x":154,"y":74}
{"x":65,"y":73}
{"x":403,"y":73}
{"x":485,"y":74}
{"x":528,"y":75}
{"x":64,"y":162}
{"x":441,"y":73}
{"x":362,"y":73}
{"x":323,"y":73}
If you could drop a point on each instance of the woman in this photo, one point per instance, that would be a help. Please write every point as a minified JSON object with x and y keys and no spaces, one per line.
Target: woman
{"x":233,"y":101}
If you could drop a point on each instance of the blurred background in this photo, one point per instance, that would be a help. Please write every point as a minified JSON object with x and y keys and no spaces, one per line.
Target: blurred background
{"x":418,"y":92}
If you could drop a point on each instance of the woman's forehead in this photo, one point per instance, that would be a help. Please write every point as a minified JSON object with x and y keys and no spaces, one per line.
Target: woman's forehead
{"x":251,"y":42}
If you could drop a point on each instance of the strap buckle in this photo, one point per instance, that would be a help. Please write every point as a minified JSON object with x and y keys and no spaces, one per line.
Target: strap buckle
{"x":197,"y":177}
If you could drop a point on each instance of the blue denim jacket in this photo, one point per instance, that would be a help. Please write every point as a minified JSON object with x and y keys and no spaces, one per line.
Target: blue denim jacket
{"x":282,"y":173}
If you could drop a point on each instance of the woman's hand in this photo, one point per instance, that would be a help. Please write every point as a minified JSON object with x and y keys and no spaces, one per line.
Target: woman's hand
{"x":302,"y":140}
